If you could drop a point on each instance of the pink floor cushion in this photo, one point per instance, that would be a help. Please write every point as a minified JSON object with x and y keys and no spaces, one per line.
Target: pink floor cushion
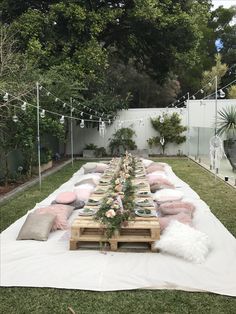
{"x":161,"y":183}
{"x":181,"y":217}
{"x":173,"y":208}
{"x":66,"y":197}
{"x":62,"y":213}
{"x":167,"y":195}
{"x":155,"y":167}
{"x":153,"y":177}
{"x":83,"y":192}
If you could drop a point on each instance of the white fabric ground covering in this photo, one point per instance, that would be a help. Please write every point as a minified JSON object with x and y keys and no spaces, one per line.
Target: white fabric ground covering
{"x":52,"y":264}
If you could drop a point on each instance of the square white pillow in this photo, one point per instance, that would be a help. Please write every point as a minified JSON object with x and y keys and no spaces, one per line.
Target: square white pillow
{"x":184,"y":241}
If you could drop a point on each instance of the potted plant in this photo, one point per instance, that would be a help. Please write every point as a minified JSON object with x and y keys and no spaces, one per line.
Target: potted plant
{"x":227,"y":127}
{"x":45,"y":159}
{"x":89,"y":150}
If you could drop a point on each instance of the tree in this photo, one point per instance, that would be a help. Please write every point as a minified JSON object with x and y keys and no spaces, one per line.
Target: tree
{"x":232,"y":92}
{"x":122,"y":140}
{"x":169,"y":128}
{"x":219,"y":70}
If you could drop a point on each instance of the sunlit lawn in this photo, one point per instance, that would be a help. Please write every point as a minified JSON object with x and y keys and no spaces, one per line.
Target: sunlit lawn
{"x":218,"y":195}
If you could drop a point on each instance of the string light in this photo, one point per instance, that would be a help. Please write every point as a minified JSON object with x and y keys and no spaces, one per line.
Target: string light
{"x":222,"y":93}
{"x":64,"y":105}
{"x":5,"y":97}
{"x":162,"y":141}
{"x":82,"y":114}
{"x":56,"y":99}
{"x":91,"y":117}
{"x":82,"y":124}
{"x":15,"y":118}
{"x":62,"y":119}
{"x":42,"y":113}
{"x":23,"y":106}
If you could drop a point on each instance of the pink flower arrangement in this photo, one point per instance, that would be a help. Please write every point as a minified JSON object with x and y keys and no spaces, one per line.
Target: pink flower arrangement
{"x":110,"y":213}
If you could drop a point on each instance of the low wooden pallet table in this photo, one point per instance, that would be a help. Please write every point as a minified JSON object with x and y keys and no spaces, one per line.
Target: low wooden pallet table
{"x":141,"y":230}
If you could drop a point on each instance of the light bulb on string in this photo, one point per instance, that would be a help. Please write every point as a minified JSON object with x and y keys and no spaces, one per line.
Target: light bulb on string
{"x":40,"y":87}
{"x":162,"y":140}
{"x":91,"y":117}
{"x":64,"y":105}
{"x":209,"y":84}
{"x":222,"y":93}
{"x":62,"y":119}
{"x":72,"y":109}
{"x":201,"y":91}
{"x":42,"y":113}
{"x":109,"y":121}
{"x":161,"y":120}
{"x":100,"y":119}
{"x":56,"y":99}
{"x":81,"y":114}
{"x":48,"y":93}
{"x":5,"y":97}
{"x":82,"y":124}
{"x":23,"y":106}
{"x":183,"y":97}
{"x":193,"y":97}
{"x":15,"y":118}
{"x":90,"y":110}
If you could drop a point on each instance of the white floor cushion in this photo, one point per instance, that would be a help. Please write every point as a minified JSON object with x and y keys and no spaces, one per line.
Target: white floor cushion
{"x":184,"y":241}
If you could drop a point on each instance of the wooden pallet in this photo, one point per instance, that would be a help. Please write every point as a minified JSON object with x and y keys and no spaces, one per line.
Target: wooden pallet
{"x":140,"y":231}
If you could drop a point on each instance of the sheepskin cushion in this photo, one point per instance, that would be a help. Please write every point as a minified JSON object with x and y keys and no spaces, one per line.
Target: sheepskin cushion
{"x":66,"y":197}
{"x":167,"y":195}
{"x":173,"y":208}
{"x":90,"y":167}
{"x":37,"y":227}
{"x":181,"y":217}
{"x":184,"y":241}
{"x":62,"y":213}
{"x":101,"y":167}
{"x":155,"y":167}
{"x":90,"y":178}
{"x":146,"y":162}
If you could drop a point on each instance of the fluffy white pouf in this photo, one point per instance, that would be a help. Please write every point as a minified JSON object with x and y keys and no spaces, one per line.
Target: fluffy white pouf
{"x":184,"y":241}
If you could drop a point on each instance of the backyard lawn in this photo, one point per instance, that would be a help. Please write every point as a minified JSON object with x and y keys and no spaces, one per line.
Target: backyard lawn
{"x":220,"y":197}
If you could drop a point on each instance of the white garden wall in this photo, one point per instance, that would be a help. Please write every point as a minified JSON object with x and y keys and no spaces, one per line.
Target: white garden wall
{"x":201,"y":115}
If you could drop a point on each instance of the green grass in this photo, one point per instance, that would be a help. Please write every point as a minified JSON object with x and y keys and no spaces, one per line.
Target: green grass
{"x":218,"y":195}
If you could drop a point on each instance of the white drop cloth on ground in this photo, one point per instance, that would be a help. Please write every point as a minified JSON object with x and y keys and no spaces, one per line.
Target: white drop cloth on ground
{"x":52,"y":264}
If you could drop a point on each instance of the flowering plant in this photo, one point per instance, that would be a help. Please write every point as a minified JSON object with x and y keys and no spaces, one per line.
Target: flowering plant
{"x":117,"y":206}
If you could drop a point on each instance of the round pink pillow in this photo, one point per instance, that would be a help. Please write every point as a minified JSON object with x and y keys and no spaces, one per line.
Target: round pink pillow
{"x":66,"y":197}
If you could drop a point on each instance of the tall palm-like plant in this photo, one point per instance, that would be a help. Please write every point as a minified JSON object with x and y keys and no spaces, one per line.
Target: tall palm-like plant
{"x":227,"y":122}
{"x":227,"y":126}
